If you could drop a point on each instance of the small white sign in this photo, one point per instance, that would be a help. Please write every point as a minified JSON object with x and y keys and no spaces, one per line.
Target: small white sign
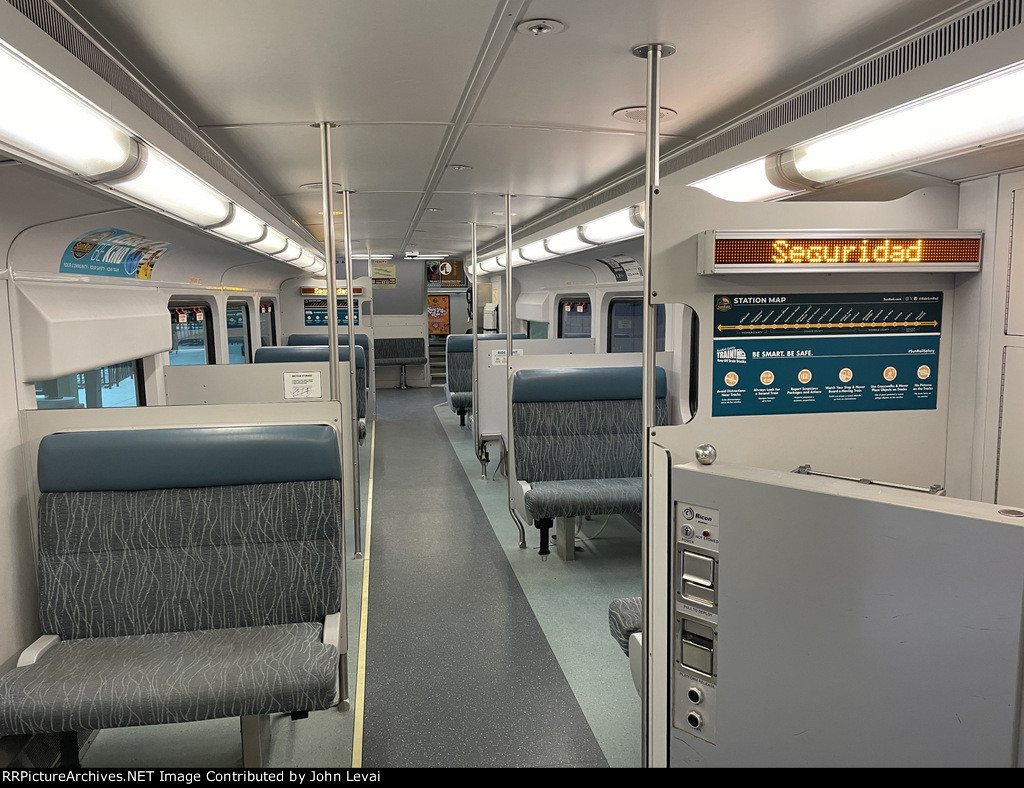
{"x":302,"y":385}
{"x":500,"y":357}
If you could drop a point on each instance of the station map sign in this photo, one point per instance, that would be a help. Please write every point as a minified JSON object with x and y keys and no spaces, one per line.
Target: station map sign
{"x":315,"y":311}
{"x":761,"y":251}
{"x":825,"y":353}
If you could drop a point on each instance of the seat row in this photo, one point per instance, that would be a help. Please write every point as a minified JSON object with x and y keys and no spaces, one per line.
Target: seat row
{"x":184,"y":574}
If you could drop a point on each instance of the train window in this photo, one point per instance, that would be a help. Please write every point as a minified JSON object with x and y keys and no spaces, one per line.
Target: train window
{"x":626,"y":326}
{"x":268,"y":324}
{"x":113,"y":386}
{"x":535,"y":329}
{"x":574,"y":318}
{"x":238,"y":333}
{"x":191,"y":335}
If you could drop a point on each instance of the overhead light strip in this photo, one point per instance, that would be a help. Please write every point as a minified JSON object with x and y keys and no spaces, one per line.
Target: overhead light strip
{"x":48,"y":124}
{"x":979,"y":112}
{"x":611,"y":228}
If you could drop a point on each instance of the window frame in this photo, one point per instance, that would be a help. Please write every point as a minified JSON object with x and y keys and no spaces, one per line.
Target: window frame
{"x":210,"y":347}
{"x":589,"y":311}
{"x":246,"y":331}
{"x":662,"y":319}
{"x":272,"y":311}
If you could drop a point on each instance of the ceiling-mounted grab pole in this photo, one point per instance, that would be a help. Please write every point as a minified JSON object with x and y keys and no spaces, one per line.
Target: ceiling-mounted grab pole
{"x":653,"y":54}
{"x":350,"y":311}
{"x":330,"y":255}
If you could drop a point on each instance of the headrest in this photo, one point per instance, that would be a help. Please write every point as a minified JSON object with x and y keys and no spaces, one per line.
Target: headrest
{"x":321,"y":339}
{"x":463,"y":343}
{"x":157,"y":459}
{"x":305,"y":354}
{"x":583,"y":383}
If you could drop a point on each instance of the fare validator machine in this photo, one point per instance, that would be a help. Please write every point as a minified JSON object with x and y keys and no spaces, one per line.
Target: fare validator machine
{"x":804,"y":615}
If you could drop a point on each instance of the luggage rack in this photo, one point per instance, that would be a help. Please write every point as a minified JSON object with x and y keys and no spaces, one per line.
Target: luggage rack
{"x":935,"y":489}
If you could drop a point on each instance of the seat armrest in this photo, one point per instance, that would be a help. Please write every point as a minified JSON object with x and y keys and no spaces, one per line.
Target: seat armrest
{"x":636,"y":660}
{"x":30,"y":655}
{"x":332,"y":630}
{"x":518,"y":491}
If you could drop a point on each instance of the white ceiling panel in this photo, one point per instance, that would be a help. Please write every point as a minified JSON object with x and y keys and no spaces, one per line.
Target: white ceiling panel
{"x":265,"y":61}
{"x":374,"y":158}
{"x":538,"y":162}
{"x":731,"y":55}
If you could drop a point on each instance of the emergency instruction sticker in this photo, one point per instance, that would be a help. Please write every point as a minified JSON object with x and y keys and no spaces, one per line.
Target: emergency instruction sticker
{"x":825,"y":353}
{"x":303,"y":385}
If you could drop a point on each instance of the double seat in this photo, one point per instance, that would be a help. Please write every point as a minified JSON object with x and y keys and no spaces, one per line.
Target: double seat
{"x":458,"y":378}
{"x":184,"y":574}
{"x":577,"y":437}
{"x":400,"y":352}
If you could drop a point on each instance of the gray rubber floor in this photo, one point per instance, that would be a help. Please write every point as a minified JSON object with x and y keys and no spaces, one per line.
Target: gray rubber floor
{"x":459,"y":672}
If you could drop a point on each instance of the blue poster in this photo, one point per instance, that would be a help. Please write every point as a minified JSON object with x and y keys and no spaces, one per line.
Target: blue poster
{"x":813,"y":353}
{"x":112,"y":252}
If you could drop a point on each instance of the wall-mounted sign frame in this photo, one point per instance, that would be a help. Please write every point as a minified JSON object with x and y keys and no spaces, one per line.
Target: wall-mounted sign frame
{"x":832,"y":251}
{"x":323,"y":291}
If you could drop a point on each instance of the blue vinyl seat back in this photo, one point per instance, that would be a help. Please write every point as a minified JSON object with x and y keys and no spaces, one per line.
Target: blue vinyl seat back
{"x":298,"y":340}
{"x":170,"y":530}
{"x":581,"y":423}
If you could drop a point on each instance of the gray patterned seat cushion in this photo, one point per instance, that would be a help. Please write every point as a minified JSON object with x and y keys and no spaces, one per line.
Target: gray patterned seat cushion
{"x":625,"y":616}
{"x":391,"y":351}
{"x":137,"y":562}
{"x":459,"y":371}
{"x":96,"y":683}
{"x":461,"y":399}
{"x":578,"y":497}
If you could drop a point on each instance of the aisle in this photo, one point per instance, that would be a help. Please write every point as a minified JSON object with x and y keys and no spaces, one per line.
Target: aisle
{"x":458,"y":671}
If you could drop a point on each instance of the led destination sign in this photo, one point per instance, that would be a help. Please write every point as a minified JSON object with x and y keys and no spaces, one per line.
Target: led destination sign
{"x":761,"y":252}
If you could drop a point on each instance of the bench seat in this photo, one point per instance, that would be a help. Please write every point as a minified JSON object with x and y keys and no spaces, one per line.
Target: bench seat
{"x":167,"y":677}
{"x":582,"y":497}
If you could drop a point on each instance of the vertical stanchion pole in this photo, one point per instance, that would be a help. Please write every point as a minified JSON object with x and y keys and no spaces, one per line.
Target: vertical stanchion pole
{"x":508,"y":368}
{"x":330,"y":255}
{"x":357,"y":508}
{"x":476,"y":341}
{"x":653,"y":53}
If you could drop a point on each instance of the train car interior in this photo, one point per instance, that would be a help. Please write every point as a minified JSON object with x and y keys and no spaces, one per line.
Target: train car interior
{"x":511,"y":383}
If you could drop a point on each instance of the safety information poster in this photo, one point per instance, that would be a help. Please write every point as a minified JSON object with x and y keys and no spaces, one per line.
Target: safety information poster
{"x":315,"y":312}
{"x":825,"y":353}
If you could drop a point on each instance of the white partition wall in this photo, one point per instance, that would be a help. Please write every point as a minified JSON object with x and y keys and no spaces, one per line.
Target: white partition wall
{"x":808,"y":621}
{"x":290,"y":385}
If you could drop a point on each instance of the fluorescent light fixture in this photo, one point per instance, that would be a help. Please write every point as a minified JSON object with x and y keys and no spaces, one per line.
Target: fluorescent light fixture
{"x":745,"y":183}
{"x":271,"y":243}
{"x":371,"y":257}
{"x":491,"y":265}
{"x":536,"y":252}
{"x":242,"y":227}
{"x":566,"y":242}
{"x":983,"y":111}
{"x":291,"y":252}
{"x":306,"y":260}
{"x":166,"y":185}
{"x":44,"y":120}
{"x":616,"y":226}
